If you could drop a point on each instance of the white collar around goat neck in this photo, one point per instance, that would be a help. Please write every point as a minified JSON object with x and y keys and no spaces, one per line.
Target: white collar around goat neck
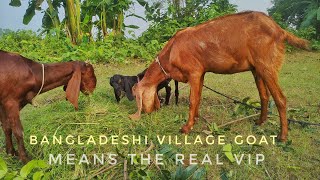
{"x":42,"y":84}
{"x":158,"y":61}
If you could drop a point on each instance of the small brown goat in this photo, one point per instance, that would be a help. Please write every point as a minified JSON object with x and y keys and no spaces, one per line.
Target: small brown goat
{"x":21,"y":80}
{"x":248,"y":41}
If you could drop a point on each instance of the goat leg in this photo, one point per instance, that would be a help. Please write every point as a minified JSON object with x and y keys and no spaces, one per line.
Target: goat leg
{"x":13,"y":118}
{"x":272,"y":83}
{"x":264,"y":98}
{"x":168,"y":94}
{"x":8,"y":133}
{"x":176,"y":91}
{"x":196,"y":84}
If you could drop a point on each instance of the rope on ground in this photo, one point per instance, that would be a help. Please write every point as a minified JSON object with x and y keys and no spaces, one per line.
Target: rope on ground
{"x":303,"y":123}
{"x":234,"y":100}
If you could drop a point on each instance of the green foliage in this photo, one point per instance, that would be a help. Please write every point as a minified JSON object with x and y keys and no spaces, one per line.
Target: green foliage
{"x":4,"y":31}
{"x":15,"y":3}
{"x":227,"y":150}
{"x":55,"y":116}
{"x":191,"y":172}
{"x":3,"y":168}
{"x":315,"y":45}
{"x":53,"y":49}
{"x":300,"y":18}
{"x":306,"y":33}
{"x":214,"y":129}
{"x":142,"y":170}
{"x":277,"y":17}
{"x":77,"y":21}
{"x":309,"y":33}
{"x":30,"y":12}
{"x":298,"y":14}
{"x":35,"y":169}
{"x":55,"y":46}
{"x":242,"y":109}
{"x":287,"y":146}
{"x":166,"y":22}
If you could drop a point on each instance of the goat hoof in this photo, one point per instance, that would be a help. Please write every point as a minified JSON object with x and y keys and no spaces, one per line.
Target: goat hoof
{"x":185,"y":129}
{"x":134,"y":116}
{"x":12,"y":152}
{"x":15,"y":153}
{"x":282,"y":138}
{"x":259,"y":122}
{"x":25,"y":160}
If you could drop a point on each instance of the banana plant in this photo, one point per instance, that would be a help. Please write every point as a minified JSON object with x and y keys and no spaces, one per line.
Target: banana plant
{"x":73,"y":20}
{"x":78,"y":21}
{"x":50,"y":18}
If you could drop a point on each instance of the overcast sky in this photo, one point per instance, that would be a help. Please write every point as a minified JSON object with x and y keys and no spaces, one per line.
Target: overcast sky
{"x":11,"y":17}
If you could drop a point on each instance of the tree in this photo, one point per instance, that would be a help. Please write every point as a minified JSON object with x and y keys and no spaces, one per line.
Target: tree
{"x":297,"y":13}
{"x":50,"y":18}
{"x":78,"y":16}
{"x":73,"y":20}
{"x":166,"y":19}
{"x":4,"y":31}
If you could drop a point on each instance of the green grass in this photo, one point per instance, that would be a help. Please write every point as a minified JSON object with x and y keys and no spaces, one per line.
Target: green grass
{"x":299,"y":80}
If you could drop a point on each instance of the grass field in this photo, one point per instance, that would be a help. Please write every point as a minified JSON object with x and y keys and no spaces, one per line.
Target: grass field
{"x":299,"y":79}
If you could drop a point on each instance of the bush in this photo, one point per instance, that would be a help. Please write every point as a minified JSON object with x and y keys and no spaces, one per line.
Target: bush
{"x":53,"y":49}
{"x":308,"y":33}
{"x":315,"y":45}
{"x":162,"y":30}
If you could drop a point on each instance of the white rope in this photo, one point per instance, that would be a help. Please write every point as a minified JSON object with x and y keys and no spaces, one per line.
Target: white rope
{"x":138,"y":79}
{"x":157,"y":60}
{"x":42,"y":84}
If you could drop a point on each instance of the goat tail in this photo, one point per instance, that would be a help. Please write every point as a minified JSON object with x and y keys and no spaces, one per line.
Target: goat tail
{"x":296,"y":41}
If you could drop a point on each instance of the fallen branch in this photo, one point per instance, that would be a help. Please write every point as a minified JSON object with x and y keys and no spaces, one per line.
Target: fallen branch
{"x":205,"y":119}
{"x":149,"y":148}
{"x":238,"y":120}
{"x":265,"y":169}
{"x":234,"y":121}
{"x":155,"y":164}
{"x":102,"y":170}
{"x":125,"y":169}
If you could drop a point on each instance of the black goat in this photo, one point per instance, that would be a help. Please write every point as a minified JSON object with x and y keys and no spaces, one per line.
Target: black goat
{"x":123,"y":85}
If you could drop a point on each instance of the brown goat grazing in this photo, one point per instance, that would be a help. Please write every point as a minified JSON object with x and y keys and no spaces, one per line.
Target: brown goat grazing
{"x":22,"y":79}
{"x":248,"y":41}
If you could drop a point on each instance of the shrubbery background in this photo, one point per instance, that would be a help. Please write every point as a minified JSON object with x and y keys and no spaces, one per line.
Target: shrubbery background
{"x":56,"y":43}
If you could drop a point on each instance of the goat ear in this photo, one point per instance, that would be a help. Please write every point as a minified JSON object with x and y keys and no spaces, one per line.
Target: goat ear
{"x":128,"y":90}
{"x":73,"y":87}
